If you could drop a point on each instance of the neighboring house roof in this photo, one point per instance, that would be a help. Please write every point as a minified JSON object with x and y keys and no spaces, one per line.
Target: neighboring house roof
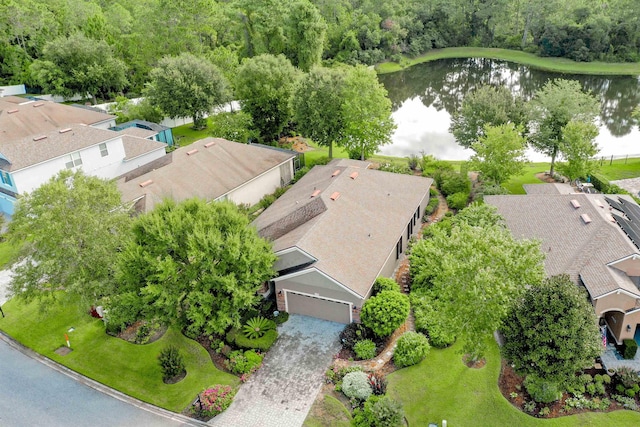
{"x":135,"y":147}
{"x":28,"y":118}
{"x":351,"y":236}
{"x":553,"y":188}
{"x":34,"y":149}
{"x":572,"y":246}
{"x":139,"y":132}
{"x":209,"y":169}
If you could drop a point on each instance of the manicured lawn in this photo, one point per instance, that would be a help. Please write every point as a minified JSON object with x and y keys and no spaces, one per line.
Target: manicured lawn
{"x":514,"y":185}
{"x":328,"y":412}
{"x":561,"y":65}
{"x":442,"y":387}
{"x":185,"y":135}
{"x":620,"y":169}
{"x":132,"y":369}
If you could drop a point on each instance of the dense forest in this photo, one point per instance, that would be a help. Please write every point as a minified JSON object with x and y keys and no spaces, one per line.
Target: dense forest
{"x":49,"y":40}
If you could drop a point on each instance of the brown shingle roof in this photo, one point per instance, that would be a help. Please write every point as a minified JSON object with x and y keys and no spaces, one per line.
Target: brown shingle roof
{"x":353,"y":235}
{"x":570,"y":245}
{"x":39,"y":117}
{"x":134,"y":146}
{"x":139,"y":132}
{"x":208,"y":173}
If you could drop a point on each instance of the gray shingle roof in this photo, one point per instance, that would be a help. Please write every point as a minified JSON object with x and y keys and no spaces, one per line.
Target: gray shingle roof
{"x":208,"y":174}
{"x":353,"y":235}
{"x":571,"y":246}
{"x":552,"y":188}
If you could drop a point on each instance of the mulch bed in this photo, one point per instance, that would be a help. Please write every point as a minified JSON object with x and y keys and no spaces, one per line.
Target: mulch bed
{"x":218,"y":359}
{"x":131,"y":332}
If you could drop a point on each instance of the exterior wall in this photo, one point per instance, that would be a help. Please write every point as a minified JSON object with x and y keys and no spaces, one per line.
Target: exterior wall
{"x":290,"y":259}
{"x":620,"y":302}
{"x":106,"y":125}
{"x":12,"y":90}
{"x":614,"y":308}
{"x":7,"y":204}
{"x":251,"y":192}
{"x":632,"y":320}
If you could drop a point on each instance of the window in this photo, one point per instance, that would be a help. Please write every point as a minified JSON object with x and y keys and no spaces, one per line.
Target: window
{"x":73,"y":160}
{"x":5,"y":177}
{"x":399,"y":248}
{"x":103,"y":150}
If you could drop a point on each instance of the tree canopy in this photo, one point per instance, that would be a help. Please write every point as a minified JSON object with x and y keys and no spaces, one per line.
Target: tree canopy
{"x":552,"y":331}
{"x":385,"y":312}
{"x":476,"y":273}
{"x":194,"y":264}
{"x":499,"y":153}
{"x":578,"y":150}
{"x":187,"y":86}
{"x":71,"y":230}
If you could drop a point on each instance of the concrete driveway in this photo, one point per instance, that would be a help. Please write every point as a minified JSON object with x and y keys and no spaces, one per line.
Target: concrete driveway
{"x":281,"y":393}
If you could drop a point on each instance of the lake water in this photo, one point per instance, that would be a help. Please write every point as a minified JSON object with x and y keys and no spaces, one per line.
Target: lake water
{"x":424,"y":97}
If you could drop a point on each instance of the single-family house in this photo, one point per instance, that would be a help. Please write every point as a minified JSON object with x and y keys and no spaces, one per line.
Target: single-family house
{"x":592,"y":237}
{"x":211,"y":169}
{"x":40,"y":138}
{"x":335,"y":231}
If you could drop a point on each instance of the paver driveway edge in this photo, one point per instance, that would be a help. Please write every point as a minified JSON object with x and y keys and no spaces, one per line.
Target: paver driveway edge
{"x":281,"y":393}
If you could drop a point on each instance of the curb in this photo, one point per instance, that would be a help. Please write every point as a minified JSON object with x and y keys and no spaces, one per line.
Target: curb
{"x":99,"y":386}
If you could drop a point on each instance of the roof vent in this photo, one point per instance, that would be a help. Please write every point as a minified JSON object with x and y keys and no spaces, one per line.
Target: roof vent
{"x":39,"y":138}
{"x":315,"y":193}
{"x":354,"y":175}
{"x":599,"y":203}
{"x":585,"y":218}
{"x":65,"y":130}
{"x":209,"y":144}
{"x":38,"y":104}
{"x":13,"y":111}
{"x":611,"y":218}
{"x":336,"y":172}
{"x":575,"y":203}
{"x":146,"y":183}
{"x":194,"y":151}
{"x":335,"y":196}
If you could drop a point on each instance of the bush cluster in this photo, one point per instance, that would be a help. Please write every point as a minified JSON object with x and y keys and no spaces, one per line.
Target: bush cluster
{"x":458,"y":201}
{"x":354,"y":332}
{"x":629,"y":348}
{"x":379,"y":411}
{"x":213,"y":401}
{"x":365,"y":349}
{"x":244,"y":362}
{"x":411,"y":348}
{"x":542,"y":391}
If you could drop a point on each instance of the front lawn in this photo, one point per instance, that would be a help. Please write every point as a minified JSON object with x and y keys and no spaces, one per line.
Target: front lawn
{"x":130,"y":368}
{"x":185,"y":134}
{"x":619,"y":169}
{"x":442,"y":387}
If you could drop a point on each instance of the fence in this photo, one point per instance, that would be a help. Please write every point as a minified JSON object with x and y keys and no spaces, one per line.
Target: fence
{"x":613,"y":157}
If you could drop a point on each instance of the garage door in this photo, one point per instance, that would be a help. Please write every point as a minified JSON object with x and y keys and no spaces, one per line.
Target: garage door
{"x":318,"y":307}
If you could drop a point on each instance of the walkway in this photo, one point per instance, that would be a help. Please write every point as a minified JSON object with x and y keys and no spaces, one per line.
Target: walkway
{"x":281,"y":393}
{"x":632,"y":185}
{"x":611,"y":361}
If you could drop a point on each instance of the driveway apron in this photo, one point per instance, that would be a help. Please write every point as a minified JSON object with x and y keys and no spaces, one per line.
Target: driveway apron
{"x":281,"y":393}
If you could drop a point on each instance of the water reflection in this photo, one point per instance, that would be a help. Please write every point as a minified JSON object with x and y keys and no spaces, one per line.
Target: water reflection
{"x":424,"y":96}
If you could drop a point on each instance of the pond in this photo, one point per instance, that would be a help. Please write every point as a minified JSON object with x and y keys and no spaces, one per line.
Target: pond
{"x":424,"y":97}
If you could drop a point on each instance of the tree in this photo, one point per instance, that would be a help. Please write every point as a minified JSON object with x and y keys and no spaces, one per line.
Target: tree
{"x":499,"y":153}
{"x":79,"y":65}
{"x":553,"y":107}
{"x":187,"y":86}
{"x":195,"y":264}
{"x":346,"y":106}
{"x":477,"y":273}
{"x":367,"y":113}
{"x":578,"y":150}
{"x":385,"y":312}
{"x":487,"y":105}
{"x":307,"y":33}
{"x":552,"y":331}
{"x":70,"y":230}
{"x":264,"y":86}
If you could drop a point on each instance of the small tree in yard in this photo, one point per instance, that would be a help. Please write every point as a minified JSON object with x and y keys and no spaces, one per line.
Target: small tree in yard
{"x":551,"y":332}
{"x":171,"y":363}
{"x":385,"y":312}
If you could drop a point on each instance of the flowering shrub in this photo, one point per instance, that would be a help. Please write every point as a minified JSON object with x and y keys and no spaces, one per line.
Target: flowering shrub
{"x":356,"y":385}
{"x":214,"y":400}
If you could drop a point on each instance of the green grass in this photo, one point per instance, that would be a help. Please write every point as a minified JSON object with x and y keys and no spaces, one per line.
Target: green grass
{"x":560,"y":65}
{"x":442,"y":387}
{"x":185,"y":135}
{"x":514,"y":185}
{"x":8,"y":252}
{"x":132,"y":369}
{"x":620,"y":169}
{"x":328,"y":412}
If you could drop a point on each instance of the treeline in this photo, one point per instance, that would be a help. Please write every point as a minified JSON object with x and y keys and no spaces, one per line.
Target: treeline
{"x":47,"y":41}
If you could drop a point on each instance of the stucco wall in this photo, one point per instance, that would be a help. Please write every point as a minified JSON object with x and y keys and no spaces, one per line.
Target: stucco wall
{"x":314,"y":283}
{"x":621,"y":302}
{"x":251,"y":192}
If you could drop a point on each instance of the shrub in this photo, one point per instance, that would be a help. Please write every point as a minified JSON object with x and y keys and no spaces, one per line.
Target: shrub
{"x":256,"y":327}
{"x":629,"y":348}
{"x":230,"y":336}
{"x":431,"y":324}
{"x":378,"y":383}
{"x":263,"y":343}
{"x":542,"y":391}
{"x":458,"y":201}
{"x":433,"y":167}
{"x":300,"y":173}
{"x":627,"y":377}
{"x":384,"y":284}
{"x":267,"y":201}
{"x":545,"y":411}
{"x":379,"y":411}
{"x":385,"y":312}
{"x":244,"y":363}
{"x":450,"y":182}
{"x":356,"y":385}
{"x":412,"y":162}
{"x":352,"y":333}
{"x":431,"y":206}
{"x":214,"y":400}
{"x":365,"y":349}
{"x":411,"y":349}
{"x":282,"y":317}
{"x":171,"y":362}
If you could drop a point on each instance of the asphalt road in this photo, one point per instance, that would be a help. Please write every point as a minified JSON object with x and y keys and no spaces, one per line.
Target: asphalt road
{"x":34,"y":394}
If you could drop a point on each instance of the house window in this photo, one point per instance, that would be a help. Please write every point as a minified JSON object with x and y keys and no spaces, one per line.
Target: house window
{"x":73,"y":160}
{"x":5,"y":177}
{"x":399,"y":248}
{"x":103,"y":150}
